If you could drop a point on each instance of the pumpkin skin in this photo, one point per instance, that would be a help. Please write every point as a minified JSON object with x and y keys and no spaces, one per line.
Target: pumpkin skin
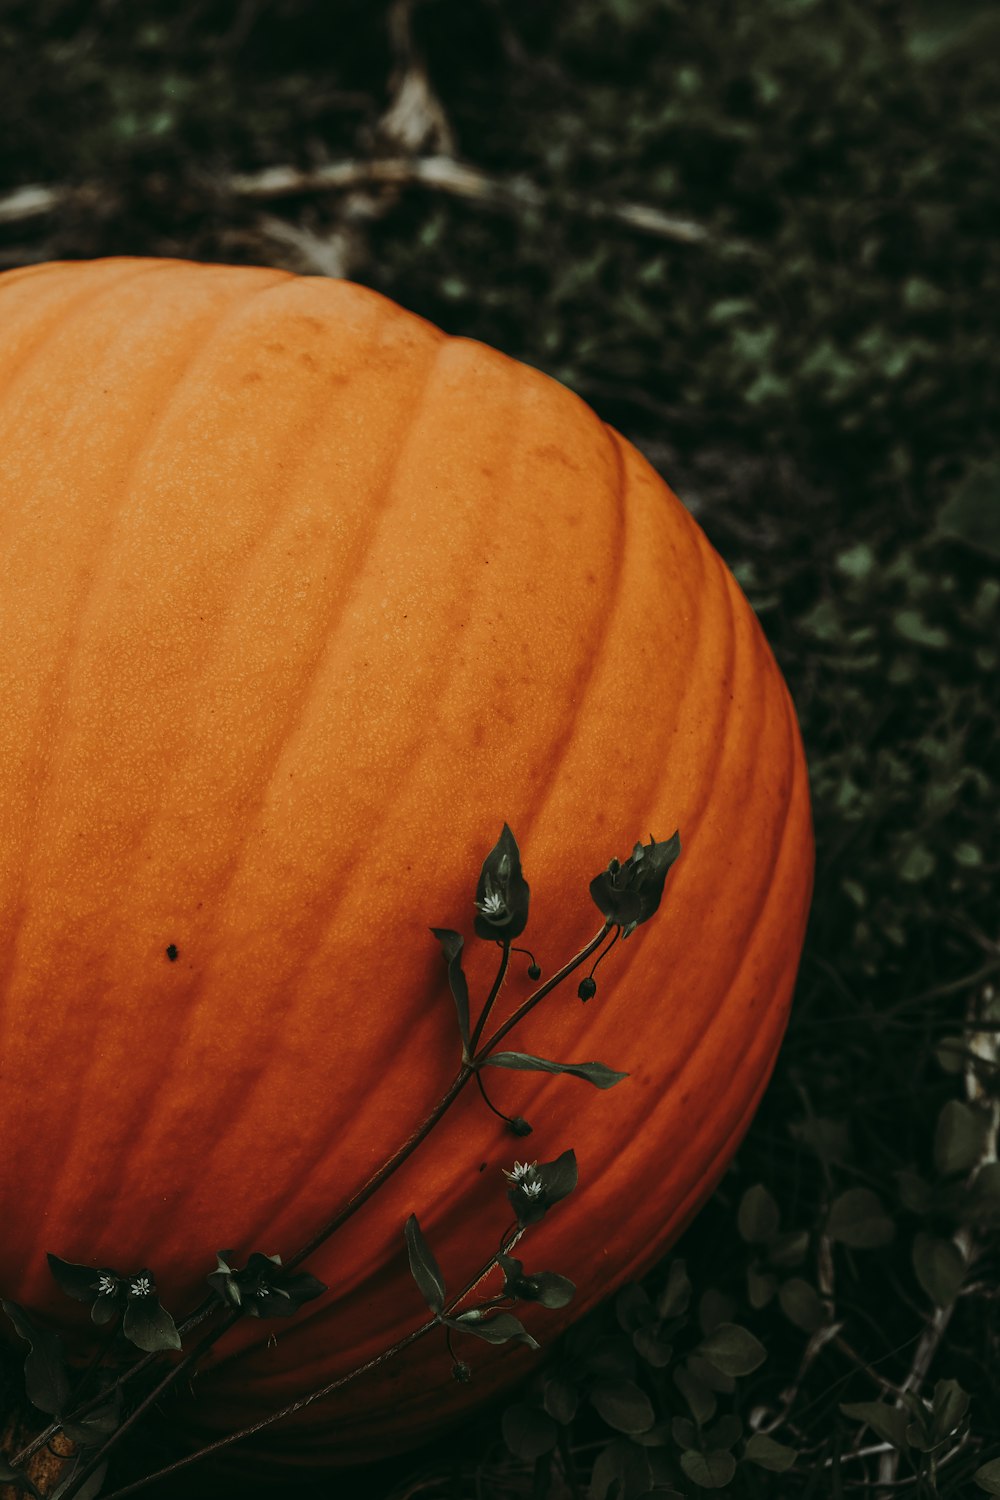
{"x":301,"y":601}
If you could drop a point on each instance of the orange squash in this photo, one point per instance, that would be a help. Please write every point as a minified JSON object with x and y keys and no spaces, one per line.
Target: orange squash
{"x":301,"y":600}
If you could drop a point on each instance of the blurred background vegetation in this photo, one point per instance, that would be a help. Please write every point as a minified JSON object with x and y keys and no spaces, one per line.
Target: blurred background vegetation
{"x":761,"y":240}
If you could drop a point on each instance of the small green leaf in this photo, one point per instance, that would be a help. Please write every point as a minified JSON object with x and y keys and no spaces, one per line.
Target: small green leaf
{"x":710,"y":1471}
{"x":987,"y":1476}
{"x":423,"y":1267}
{"x":733,"y":1350}
{"x":768,"y":1454}
{"x":452,"y":944}
{"x":709,"y":1374}
{"x":45,"y":1378}
{"x":725,"y":1433}
{"x":560,"y":1399}
{"x":148,"y":1325}
{"x":958,"y":1138}
{"x":758,"y":1216}
{"x":621,"y":1468}
{"x":528,"y":1432}
{"x":699,"y":1398}
{"x":501,"y":1328}
{"x":623,"y":1405}
{"x":761,"y":1287}
{"x":887,"y":1422}
{"x":914,"y":1192}
{"x":684,"y":1432}
{"x":949,"y":1406}
{"x":858,"y":1219}
{"x":939,"y":1266}
{"x":801,"y":1304}
{"x":675,"y":1297}
{"x":788,"y":1250}
{"x":594,"y":1072}
{"x":651,"y":1348}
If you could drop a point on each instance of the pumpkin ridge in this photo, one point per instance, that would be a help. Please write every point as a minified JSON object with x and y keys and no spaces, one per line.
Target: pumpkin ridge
{"x":66,"y":1165}
{"x":196,"y":992}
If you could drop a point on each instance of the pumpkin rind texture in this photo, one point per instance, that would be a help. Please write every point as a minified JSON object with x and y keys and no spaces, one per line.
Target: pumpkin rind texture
{"x":301,"y":601}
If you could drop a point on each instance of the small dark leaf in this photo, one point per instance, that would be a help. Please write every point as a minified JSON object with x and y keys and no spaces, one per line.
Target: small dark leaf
{"x":629,"y":893}
{"x":710,"y":1375}
{"x":424,"y":1268}
{"x":887,"y":1422}
{"x":45,"y":1378}
{"x":633,"y":1309}
{"x":710,"y":1471}
{"x":987,"y":1476}
{"x":715,"y":1307}
{"x":651,"y":1348}
{"x":733,"y":1350}
{"x":452,"y":944}
{"x":501,"y":1328}
{"x":699,"y":1398}
{"x":758,"y":1216}
{"x":788,"y":1250}
{"x":91,"y":1430}
{"x":147,"y":1324}
{"x":84,"y":1283}
{"x":725,"y":1433}
{"x":958,"y":1138}
{"x":544,"y":1287}
{"x":939,"y":1266}
{"x":684,"y":1432}
{"x":622,"y":1469}
{"x":675,"y":1297}
{"x":768,"y":1454}
{"x":915,"y":1193}
{"x":623,"y":1405}
{"x":950,"y":1405}
{"x":801,"y":1304}
{"x":528,"y":1432}
{"x":502,"y":892}
{"x":858,"y":1219}
{"x":594,"y":1072}
{"x":761,"y":1287}
{"x":560,"y":1399}
{"x":535,"y":1188}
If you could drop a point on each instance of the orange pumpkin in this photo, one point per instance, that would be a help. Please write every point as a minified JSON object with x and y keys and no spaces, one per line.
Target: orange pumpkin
{"x":301,"y":600}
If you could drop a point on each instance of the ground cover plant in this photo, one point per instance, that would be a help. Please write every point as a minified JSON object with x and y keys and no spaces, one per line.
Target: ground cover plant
{"x":758,"y":240}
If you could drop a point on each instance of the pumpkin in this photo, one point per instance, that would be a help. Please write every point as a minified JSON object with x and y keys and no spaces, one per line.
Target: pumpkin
{"x":302,"y":600}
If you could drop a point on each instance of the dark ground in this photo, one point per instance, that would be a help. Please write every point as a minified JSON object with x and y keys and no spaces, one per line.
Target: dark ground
{"x":760,"y":240}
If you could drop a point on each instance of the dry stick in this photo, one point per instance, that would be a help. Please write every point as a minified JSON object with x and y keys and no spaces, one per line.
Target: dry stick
{"x":438,"y":173}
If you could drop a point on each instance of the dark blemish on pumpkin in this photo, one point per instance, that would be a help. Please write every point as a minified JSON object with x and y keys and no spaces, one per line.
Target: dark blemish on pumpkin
{"x":306,"y":359}
{"x":482,"y":1166}
{"x":252,"y":377}
{"x":172,"y":952}
{"x":557,"y":454}
{"x":478,"y":735}
{"x":591,"y":576}
{"x":486,"y":470}
{"x":273,"y":348}
{"x":308,"y":321}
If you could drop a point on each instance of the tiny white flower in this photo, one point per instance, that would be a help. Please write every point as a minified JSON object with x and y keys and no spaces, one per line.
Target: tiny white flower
{"x":140,"y":1286}
{"x":107,"y":1286}
{"x":522,"y":1173}
{"x":532,"y":1189}
{"x":492,"y":904}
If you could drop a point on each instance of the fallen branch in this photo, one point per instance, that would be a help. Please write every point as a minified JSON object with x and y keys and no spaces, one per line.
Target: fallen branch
{"x":443,"y":174}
